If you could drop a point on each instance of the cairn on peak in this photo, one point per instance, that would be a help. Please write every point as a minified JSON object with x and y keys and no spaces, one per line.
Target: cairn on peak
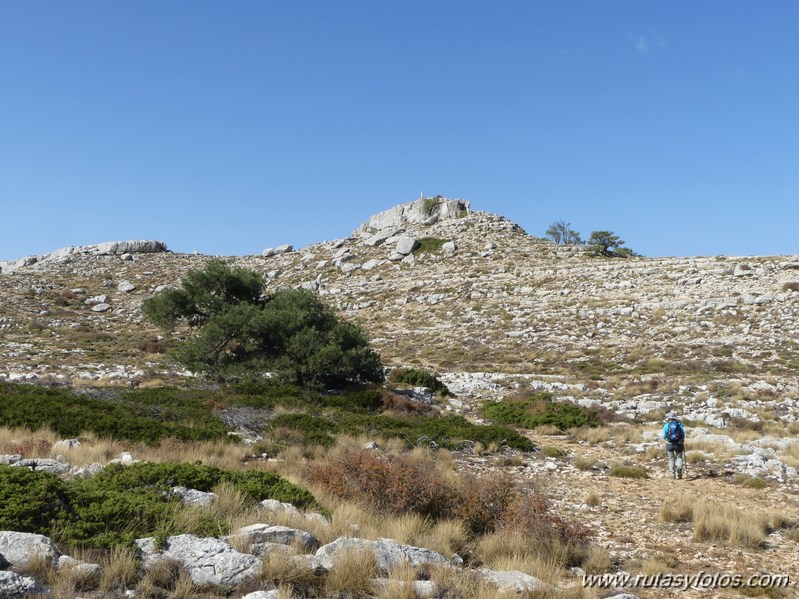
{"x":424,"y":211}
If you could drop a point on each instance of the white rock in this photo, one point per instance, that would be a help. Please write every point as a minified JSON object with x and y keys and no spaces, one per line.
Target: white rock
{"x":406,"y":245}
{"x":207,"y":560}
{"x":195,"y":497}
{"x":20,"y":548}
{"x":126,"y":286}
{"x":14,"y":585}
{"x":512,"y":580}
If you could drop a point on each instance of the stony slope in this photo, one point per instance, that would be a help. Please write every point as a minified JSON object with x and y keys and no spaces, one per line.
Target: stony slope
{"x":493,"y":311}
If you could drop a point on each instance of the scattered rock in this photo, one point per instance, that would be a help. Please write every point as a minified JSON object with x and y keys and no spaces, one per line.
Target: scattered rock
{"x":14,"y":585}
{"x":19,"y":549}
{"x":208,"y":561}
{"x":194,"y":497}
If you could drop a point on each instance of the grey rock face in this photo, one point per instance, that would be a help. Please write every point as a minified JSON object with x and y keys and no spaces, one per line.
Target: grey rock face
{"x":82,"y":569}
{"x":450,"y":247}
{"x":388,"y":553}
{"x":20,"y":548}
{"x":208,"y":561}
{"x":126,"y":287}
{"x":512,"y":580}
{"x":145,"y":246}
{"x":43,"y":465}
{"x":264,"y":533}
{"x":284,"y":249}
{"x":427,"y":211}
{"x":97,"y":299}
{"x":406,"y":245}
{"x":101,"y":308}
{"x":194,"y":497}
{"x":262,"y":595}
{"x":273,"y":505}
{"x":14,"y":585}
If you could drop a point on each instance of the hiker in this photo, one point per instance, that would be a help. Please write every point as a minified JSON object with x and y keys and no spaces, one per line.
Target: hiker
{"x":674,"y":434}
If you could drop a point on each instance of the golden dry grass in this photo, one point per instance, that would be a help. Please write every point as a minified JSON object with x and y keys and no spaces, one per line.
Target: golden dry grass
{"x":119,"y":570}
{"x":353,"y":573}
{"x":541,"y":557}
{"x":678,"y":508}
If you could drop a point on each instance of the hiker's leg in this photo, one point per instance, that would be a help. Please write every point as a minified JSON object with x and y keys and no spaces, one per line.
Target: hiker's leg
{"x":671,"y":453}
{"x":680,"y":458}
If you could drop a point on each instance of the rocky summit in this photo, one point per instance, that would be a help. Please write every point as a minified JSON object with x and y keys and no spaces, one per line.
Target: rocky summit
{"x":494,"y":311}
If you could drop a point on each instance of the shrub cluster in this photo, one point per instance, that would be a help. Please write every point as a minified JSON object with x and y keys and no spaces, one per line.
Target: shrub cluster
{"x":402,"y":484}
{"x":530,"y":411}
{"x":451,"y":432}
{"x":418,"y":378}
{"x":123,"y":503}
{"x":144,"y":415}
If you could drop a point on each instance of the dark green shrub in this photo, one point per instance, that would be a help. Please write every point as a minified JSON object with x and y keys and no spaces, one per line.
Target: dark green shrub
{"x":163,"y":476}
{"x":146,"y":415}
{"x":530,"y":411}
{"x":123,"y":503}
{"x":418,"y":378}
{"x":30,"y":500}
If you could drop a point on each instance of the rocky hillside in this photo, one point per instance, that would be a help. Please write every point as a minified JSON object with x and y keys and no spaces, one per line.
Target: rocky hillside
{"x":494,"y":310}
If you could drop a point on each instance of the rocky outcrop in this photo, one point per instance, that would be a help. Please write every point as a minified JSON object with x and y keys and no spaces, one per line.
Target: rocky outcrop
{"x":106,"y":248}
{"x":425,"y":211}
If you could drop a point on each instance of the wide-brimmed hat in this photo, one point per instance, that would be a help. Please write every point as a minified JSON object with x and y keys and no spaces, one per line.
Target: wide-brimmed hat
{"x":671,"y":416}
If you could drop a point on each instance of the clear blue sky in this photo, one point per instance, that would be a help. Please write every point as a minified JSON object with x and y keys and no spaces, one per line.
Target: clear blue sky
{"x":228,"y":127}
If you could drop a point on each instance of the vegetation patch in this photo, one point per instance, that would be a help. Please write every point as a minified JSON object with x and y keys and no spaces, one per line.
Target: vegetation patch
{"x":429,"y":244}
{"x":622,"y":471}
{"x":123,"y":503}
{"x":145,"y":415}
{"x":418,"y":378}
{"x":530,"y":411}
{"x":451,"y":432}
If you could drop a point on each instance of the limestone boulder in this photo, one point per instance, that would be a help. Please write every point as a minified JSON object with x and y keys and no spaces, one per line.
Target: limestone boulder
{"x":208,"y":561}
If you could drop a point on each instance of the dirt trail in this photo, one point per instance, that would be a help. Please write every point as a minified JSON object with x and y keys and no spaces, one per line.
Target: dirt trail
{"x":626,"y":519}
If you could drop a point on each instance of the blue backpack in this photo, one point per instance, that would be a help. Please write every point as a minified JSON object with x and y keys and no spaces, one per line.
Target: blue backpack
{"x":674,"y":433}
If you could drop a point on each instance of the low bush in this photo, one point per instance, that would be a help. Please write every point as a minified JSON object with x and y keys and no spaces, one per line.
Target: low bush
{"x":622,"y":471}
{"x":429,"y":244}
{"x":549,"y":451}
{"x":123,"y":503}
{"x":29,"y":500}
{"x":531,"y":411}
{"x":386,"y":484}
{"x":402,"y":484}
{"x":751,"y":482}
{"x":418,"y":378}
{"x":451,"y":432}
{"x":145,"y":415}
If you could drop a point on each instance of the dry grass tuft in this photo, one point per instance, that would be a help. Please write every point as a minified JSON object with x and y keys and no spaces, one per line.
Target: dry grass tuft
{"x":679,"y":508}
{"x":353,"y":573}
{"x":290,"y":571}
{"x":713,"y":521}
{"x":119,"y":570}
{"x":592,"y":499}
{"x":584,"y":462}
